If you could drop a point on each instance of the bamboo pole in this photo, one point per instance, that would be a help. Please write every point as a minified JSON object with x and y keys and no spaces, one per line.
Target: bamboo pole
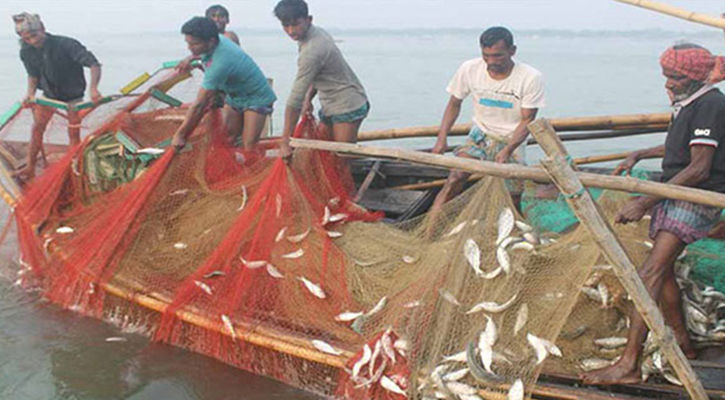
{"x":633,"y":121}
{"x":586,"y":210}
{"x":512,"y":171}
{"x":691,"y":16}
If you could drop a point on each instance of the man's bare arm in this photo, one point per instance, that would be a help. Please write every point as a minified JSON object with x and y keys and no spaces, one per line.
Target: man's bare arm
{"x":635,"y":156}
{"x":193,"y":116}
{"x":32,"y":88}
{"x":95,"y":80}
{"x":519,"y":135}
{"x":450,"y":115}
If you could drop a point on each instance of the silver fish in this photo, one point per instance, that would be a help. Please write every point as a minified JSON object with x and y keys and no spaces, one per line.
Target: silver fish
{"x":334,"y":234}
{"x":280,"y":235}
{"x":64,"y":230}
{"x":348,"y":316}
{"x":325,"y":347}
{"x":492,"y":274}
{"x":412,"y":304}
{"x":229,"y":326}
{"x":213,"y":274}
{"x":337,"y":217}
{"x":671,"y":379}
{"x":522,"y":246}
{"x":447,"y":296}
{"x":402,"y":346}
{"x":506,"y":242}
{"x":492,"y":307}
{"x":456,"y":375}
{"x":298,"y":238}
{"x":180,"y":246}
{"x":523,"y":226}
{"x":294,"y":255}
{"x":278,"y":200}
{"x":458,"y":357}
{"x":591,"y":364}
{"x":253,"y":264}
{"x":244,"y":198}
{"x":521,"y":317}
{"x":334,"y":202}
{"x":517,"y":391}
{"x":274,"y":272}
{"x":539,"y":347}
{"x":470,"y":397}
{"x":503,"y":260}
{"x":473,"y":255}
{"x":531,"y":238}
{"x":611,"y":342}
{"x":592,"y":293}
{"x":505,"y":224}
{"x":604,"y":292}
{"x":460,"y":389}
{"x":594,"y":278}
{"x":485,"y":344}
{"x":374,"y":358}
{"x":203,"y":286}
{"x":179,"y":192}
{"x":457,"y":229}
{"x":409,"y":259}
{"x":326,"y":216}
{"x":116,"y":339}
{"x":367,"y":354}
{"x":390,"y":385}
{"x":388,"y":348}
{"x":313,"y":288}
{"x":378,"y":307}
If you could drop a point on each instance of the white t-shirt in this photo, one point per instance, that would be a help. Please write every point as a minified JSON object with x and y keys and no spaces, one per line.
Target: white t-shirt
{"x":498,"y":103}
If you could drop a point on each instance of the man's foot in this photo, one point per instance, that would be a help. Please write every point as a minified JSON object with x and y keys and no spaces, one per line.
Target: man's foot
{"x":618,"y":373}
{"x":24,"y":174}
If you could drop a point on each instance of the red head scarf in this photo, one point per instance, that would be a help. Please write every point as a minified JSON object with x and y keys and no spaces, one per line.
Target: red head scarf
{"x":695,"y":62}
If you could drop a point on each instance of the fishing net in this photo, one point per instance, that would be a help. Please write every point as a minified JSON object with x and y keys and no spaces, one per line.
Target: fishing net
{"x":272,"y":268}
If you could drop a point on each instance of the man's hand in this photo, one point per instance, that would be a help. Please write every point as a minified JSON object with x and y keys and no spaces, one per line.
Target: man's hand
{"x":504,"y":155}
{"x":96,"y":96}
{"x":185,"y":65}
{"x":307,"y":108}
{"x":285,"y":150}
{"x":634,"y":210}
{"x":28,"y":100}
{"x":178,"y":142}
{"x":440,"y":147}
{"x":627,"y":165}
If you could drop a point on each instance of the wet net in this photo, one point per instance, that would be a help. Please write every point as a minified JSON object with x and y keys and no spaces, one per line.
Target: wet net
{"x":271,"y":267}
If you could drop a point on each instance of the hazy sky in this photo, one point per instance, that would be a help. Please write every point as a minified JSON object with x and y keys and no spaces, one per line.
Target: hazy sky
{"x":120,"y":16}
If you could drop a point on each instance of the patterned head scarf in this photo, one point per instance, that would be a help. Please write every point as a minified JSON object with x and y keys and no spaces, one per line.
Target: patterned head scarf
{"x":694,"y":62}
{"x":26,"y":22}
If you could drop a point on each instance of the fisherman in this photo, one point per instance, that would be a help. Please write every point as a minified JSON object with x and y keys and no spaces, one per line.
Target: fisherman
{"x":54,"y":65}
{"x":507,"y":95}
{"x":220,"y":15}
{"x":693,"y":157}
{"x":228,"y":69}
{"x":320,"y":68}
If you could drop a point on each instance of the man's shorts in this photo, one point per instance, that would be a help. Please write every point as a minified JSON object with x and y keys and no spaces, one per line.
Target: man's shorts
{"x":351,"y":116}
{"x":485,"y":148}
{"x":688,"y":221}
{"x":264,"y":110}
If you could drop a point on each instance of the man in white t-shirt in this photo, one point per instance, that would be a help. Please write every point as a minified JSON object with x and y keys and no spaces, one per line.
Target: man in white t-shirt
{"x":507,"y":95}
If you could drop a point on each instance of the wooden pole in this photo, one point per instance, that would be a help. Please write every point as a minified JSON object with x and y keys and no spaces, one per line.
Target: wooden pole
{"x":513,"y":171}
{"x":699,"y":18}
{"x":633,"y":121}
{"x":586,"y":210}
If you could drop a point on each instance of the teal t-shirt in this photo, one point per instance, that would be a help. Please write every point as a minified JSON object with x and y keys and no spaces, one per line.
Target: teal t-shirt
{"x":230,"y":70}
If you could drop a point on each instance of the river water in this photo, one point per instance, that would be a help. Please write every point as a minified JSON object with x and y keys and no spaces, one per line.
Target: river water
{"x":49,"y":353}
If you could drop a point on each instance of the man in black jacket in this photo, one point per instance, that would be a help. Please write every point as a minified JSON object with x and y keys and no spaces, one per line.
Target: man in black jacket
{"x":55,"y":66}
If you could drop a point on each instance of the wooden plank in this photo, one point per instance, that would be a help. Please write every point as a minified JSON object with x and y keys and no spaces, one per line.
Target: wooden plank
{"x":586,"y":210}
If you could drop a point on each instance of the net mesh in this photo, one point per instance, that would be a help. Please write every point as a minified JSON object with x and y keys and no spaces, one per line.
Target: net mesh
{"x":272,"y":268}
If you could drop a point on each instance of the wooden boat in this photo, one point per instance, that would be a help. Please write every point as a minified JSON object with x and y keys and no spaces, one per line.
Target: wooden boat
{"x":402,"y":191}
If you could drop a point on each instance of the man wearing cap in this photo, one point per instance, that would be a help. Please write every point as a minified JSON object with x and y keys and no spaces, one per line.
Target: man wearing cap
{"x":693,"y":157}
{"x":55,"y":66}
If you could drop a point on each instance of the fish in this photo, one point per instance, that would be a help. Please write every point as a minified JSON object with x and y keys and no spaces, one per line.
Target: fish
{"x":611,"y":342}
{"x":648,"y":244}
{"x":298,"y":238}
{"x":180,"y":246}
{"x":671,"y":379}
{"x":388,"y":348}
{"x":409,"y":259}
{"x":337,"y":217}
{"x":229,"y":326}
{"x":539,"y":347}
{"x":523,"y":226}
{"x":150,"y":150}
{"x":390,"y":385}
{"x":402,"y":346}
{"x":591,"y":364}
{"x":325,"y":347}
{"x":294,"y":255}
{"x":253,"y":264}
{"x":505,"y":224}
{"x":517,"y":391}
{"x":203,"y":286}
{"x":492,"y":307}
{"x":506,"y":242}
{"x":594,"y":278}
{"x":334,"y":202}
{"x":179,"y":192}
{"x":244,"y":198}
{"x":531,"y":238}
{"x":447,"y":296}
{"x":521,"y":317}
{"x":278,"y":201}
{"x":326,"y":216}
{"x":348,"y":316}
{"x":485,"y":344}
{"x":458,"y":357}
{"x":460,"y":389}
{"x":378,"y":307}
{"x":213,"y":274}
{"x":412,"y":304}
{"x":280,"y":235}
{"x":470,"y":397}
{"x":603,"y":267}
{"x":551,"y":348}
{"x":334,"y":234}
{"x":64,"y":230}
{"x":367,"y":354}
{"x":457,"y":229}
{"x":492,"y":274}
{"x":116,"y":339}
{"x":456,"y":375}
{"x":274,"y":272}
{"x":522,"y":246}
{"x":604,"y":292}
{"x":503,"y":260}
{"x":373,"y":359}
{"x":592,"y":293}
{"x":473,"y":255}
{"x":313,"y":288}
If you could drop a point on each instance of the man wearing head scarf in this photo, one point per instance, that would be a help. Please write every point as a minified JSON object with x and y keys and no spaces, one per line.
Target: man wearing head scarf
{"x":54,"y":65}
{"x":693,"y":155}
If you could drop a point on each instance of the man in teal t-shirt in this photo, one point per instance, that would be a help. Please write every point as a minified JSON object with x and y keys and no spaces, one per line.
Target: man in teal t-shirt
{"x":228,"y":70}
